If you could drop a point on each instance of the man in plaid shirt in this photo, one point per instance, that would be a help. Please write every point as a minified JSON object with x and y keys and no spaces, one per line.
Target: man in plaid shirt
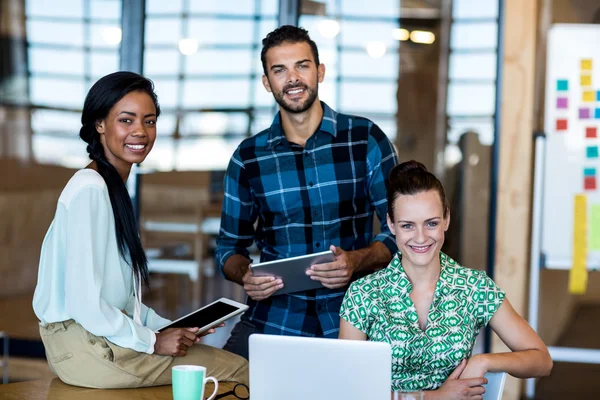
{"x":314,"y":181}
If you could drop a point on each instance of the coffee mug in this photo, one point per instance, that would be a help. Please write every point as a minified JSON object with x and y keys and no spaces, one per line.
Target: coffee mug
{"x":189,"y":382}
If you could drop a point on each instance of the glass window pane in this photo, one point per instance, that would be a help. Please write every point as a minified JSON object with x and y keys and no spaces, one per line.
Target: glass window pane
{"x":380,"y":8}
{"x":245,"y":7}
{"x":161,"y":62}
{"x":484,"y":127}
{"x":261,"y":96}
{"x":221,"y":31}
{"x":55,"y":32}
{"x":471,"y":99}
{"x":475,"y":9}
{"x":165,"y":125}
{"x":166,"y":90}
{"x":219,"y":62}
{"x":358,"y":33}
{"x":56,"y":61}
{"x":103,"y":63}
{"x":163,"y":7}
{"x":55,"y":121}
{"x":57,"y":92}
{"x":205,"y":153}
{"x":266,"y":26}
{"x":214,"y":123}
{"x":69,"y":152}
{"x":163,"y":31}
{"x":63,"y":8}
{"x":327,"y":92}
{"x":108,"y":36}
{"x":269,"y":7}
{"x":105,"y":9}
{"x":216,"y":93}
{"x":262,"y":120}
{"x":361,"y":64}
{"x":368,"y":97}
{"x":473,"y":66}
{"x":474,"y":36}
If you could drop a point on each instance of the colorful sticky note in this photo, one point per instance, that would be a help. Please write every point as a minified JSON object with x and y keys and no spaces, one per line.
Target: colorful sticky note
{"x":578,"y":274}
{"x":597,"y":113}
{"x":561,"y":125}
{"x":562,"y":102}
{"x":584,"y":113}
{"x":591,"y":132}
{"x":588,"y":97}
{"x":586,"y":80}
{"x":598,"y":95}
{"x":589,"y":183}
{"x":589,"y":171}
{"x":594,"y":227}
{"x":591,"y":152}
{"x":586,"y":64}
{"x":562,"y":84}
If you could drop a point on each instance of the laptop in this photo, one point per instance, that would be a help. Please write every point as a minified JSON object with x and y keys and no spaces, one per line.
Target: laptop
{"x":300,"y":368}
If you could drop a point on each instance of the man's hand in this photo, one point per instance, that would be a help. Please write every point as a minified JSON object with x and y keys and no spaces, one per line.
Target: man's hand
{"x":336,"y":274}
{"x":260,"y":287}
{"x":455,"y":388}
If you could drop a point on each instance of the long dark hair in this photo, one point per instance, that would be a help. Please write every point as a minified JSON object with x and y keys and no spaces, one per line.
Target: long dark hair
{"x":101,"y":98}
{"x":409,"y":178}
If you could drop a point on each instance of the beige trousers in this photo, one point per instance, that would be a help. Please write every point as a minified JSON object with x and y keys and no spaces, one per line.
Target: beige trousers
{"x":82,"y":359}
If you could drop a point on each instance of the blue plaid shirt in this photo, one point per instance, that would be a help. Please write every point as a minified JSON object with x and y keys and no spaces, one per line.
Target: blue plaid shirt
{"x":306,"y":199}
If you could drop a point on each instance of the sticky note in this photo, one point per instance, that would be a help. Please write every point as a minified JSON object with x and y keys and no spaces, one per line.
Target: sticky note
{"x":588,"y":97}
{"x":597,"y":113}
{"x":561,"y":124}
{"x":562,"y":84}
{"x":584,"y":113}
{"x":562,"y":102}
{"x":578,"y":273}
{"x":594,"y":227}
{"x":591,"y":132}
{"x":589,"y":183}
{"x":598,"y":95}
{"x":589,"y":172}
{"x":586,"y":64}
{"x":586,"y":80}
{"x":592,"y":152}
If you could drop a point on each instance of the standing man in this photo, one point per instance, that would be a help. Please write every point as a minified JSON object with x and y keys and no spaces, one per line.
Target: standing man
{"x":313,"y":180}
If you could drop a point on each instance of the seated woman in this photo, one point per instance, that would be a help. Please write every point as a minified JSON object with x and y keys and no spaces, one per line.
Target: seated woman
{"x":94,"y":326}
{"x":430,"y":308}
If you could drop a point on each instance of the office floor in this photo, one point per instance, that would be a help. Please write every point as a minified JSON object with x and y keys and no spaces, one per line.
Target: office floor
{"x":567,"y":381}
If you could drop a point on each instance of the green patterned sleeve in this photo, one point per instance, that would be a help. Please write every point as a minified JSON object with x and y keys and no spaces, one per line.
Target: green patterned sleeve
{"x":488,"y":298}
{"x":354,"y":309}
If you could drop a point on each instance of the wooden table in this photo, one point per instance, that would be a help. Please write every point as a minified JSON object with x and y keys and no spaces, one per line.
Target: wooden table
{"x":55,"y":389}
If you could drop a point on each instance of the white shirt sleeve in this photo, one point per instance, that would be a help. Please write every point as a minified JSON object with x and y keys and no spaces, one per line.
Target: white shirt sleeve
{"x":87,"y":239}
{"x":148,"y":316}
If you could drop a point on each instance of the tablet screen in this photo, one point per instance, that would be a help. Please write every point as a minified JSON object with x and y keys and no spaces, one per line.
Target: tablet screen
{"x":204,"y":316}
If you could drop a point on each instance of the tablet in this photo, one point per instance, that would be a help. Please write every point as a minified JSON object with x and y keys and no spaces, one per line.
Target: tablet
{"x":208,"y":316}
{"x":293,"y":271}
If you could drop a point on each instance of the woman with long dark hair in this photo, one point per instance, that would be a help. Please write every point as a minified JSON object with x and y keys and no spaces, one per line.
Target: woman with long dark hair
{"x":94,"y":326}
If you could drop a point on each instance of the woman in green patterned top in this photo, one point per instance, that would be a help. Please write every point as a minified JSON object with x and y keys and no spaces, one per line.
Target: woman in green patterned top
{"x":430,"y":309}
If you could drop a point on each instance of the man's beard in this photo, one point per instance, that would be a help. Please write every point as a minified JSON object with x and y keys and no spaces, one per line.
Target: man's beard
{"x":295,"y":107}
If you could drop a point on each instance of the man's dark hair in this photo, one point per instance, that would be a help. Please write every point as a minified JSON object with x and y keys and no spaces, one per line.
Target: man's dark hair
{"x":286,"y":34}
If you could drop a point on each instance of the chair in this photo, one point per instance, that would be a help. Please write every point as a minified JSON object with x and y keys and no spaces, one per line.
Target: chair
{"x":495,"y":385}
{"x":4,"y":361}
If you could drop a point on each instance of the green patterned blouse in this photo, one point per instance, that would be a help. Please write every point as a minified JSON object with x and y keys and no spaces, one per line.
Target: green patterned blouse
{"x":380,"y":306}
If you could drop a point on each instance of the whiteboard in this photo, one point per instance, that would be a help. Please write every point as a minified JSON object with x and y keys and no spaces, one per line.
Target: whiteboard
{"x":572,"y":126}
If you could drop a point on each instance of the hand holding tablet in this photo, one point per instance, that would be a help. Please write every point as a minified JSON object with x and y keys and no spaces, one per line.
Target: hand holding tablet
{"x":292,"y":271}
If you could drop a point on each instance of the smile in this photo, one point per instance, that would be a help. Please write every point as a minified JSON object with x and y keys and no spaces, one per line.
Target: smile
{"x":420,"y":249}
{"x":295,"y":91}
{"x":135,"y":146}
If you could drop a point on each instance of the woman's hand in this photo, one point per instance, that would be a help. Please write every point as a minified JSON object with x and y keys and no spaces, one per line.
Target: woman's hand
{"x":476,"y":367}
{"x":175,"y":341}
{"x":456,"y":388}
{"x":211,"y":330}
